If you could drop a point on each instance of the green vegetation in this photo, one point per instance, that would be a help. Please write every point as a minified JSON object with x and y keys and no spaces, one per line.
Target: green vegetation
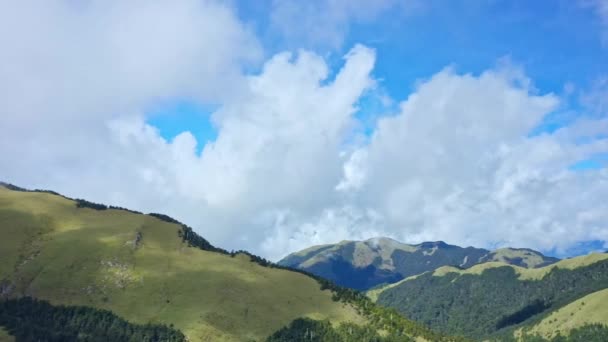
{"x":397,"y":326}
{"x":29,"y":319}
{"x":5,"y":336}
{"x":487,"y":298}
{"x":591,"y":309}
{"x":319,"y":331}
{"x":151,"y":269}
{"x":189,"y":236}
{"x":587,"y":333}
{"x":138,"y":267}
{"x":522,"y":257}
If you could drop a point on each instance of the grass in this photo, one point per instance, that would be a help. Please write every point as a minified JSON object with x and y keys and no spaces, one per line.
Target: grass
{"x":527,"y":273}
{"x":364,"y":254}
{"x":374,"y":293}
{"x":530,"y":259}
{"x":308,"y":250}
{"x":5,"y":337}
{"x":590,"y":309}
{"x":323,"y":255}
{"x":79,"y":256}
{"x":443,"y":270}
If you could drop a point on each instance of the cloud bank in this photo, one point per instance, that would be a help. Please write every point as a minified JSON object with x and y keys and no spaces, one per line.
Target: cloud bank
{"x":289,"y":168}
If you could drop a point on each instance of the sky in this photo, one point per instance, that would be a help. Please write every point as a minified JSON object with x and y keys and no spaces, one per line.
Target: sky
{"x":272,"y":126}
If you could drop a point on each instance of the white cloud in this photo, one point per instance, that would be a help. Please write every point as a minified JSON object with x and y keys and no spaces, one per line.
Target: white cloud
{"x":456,"y":163}
{"x":279,"y":132}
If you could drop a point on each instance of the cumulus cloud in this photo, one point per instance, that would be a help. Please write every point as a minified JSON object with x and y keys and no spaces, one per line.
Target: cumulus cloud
{"x":83,"y":131}
{"x":456,"y":163}
{"x":69,"y":67}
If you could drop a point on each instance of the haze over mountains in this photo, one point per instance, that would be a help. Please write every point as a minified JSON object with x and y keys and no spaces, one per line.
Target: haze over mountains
{"x":364,"y":264}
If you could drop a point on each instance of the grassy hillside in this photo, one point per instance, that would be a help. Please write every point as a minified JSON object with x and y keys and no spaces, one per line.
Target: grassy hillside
{"x":519,"y":257}
{"x":366,"y":264}
{"x":5,"y":337}
{"x":81,"y":256}
{"x":140,"y":268}
{"x":374,"y":293}
{"x":526,"y":273}
{"x":591,"y":309}
{"x":489,"y":298}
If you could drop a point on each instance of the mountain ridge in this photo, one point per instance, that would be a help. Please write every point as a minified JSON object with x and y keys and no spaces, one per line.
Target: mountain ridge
{"x":369,"y":263}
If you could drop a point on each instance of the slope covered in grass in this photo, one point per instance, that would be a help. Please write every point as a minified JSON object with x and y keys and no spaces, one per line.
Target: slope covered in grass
{"x":522,"y":257}
{"x":150,"y":269}
{"x":591,"y":309}
{"x":5,"y":337}
{"x":138,"y":267}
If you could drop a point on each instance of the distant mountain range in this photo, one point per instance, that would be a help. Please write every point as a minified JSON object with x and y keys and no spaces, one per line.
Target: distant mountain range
{"x":510,"y":294}
{"x":363,"y":265}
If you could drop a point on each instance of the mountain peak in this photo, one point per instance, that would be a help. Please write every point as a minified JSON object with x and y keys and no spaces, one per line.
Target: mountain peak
{"x":523,"y":257}
{"x":433,"y":244}
{"x":365,"y":264}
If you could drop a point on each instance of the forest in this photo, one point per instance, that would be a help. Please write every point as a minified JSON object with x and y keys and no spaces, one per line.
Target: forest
{"x":29,"y":319}
{"x":308,"y":330}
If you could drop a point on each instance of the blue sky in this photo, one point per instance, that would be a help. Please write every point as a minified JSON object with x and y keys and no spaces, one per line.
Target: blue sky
{"x":559,"y":45}
{"x":176,"y":116}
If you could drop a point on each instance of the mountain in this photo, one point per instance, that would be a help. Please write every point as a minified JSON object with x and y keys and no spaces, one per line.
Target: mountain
{"x":523,"y":257}
{"x":75,"y":268}
{"x":365,"y":264}
{"x":501,"y":300}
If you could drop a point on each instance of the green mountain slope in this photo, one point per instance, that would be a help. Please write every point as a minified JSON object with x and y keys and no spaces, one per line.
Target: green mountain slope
{"x":366,"y":264}
{"x":140,"y":268}
{"x":5,"y":337}
{"x":523,"y":257}
{"x":492,"y":298}
{"x":591,"y":309}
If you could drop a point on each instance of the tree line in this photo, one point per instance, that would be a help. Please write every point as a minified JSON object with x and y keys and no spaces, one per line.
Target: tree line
{"x":29,"y":319}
